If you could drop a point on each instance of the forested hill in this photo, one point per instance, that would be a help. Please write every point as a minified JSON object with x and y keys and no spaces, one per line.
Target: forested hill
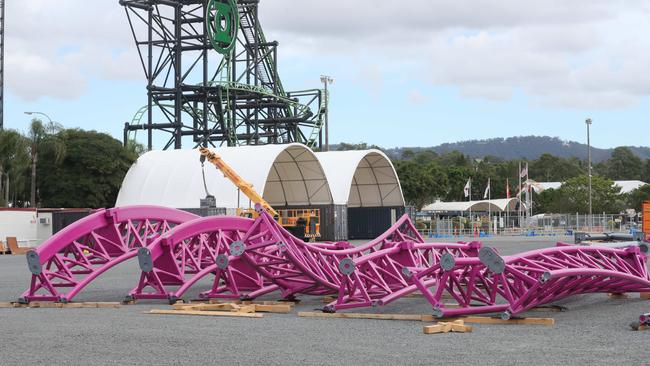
{"x":527,"y":147}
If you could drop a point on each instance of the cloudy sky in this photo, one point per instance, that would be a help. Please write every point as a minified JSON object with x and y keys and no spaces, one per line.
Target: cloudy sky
{"x":415,"y":73}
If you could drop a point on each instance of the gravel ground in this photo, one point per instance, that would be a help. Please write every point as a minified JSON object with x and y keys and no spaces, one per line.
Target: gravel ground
{"x":594,"y":331}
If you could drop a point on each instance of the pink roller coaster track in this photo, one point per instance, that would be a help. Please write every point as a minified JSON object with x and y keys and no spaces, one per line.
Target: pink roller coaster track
{"x":250,"y":258}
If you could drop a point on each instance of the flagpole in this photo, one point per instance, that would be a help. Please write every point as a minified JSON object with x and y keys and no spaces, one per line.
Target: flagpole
{"x":520,"y":190}
{"x":471,"y":227}
{"x":489,"y":206}
{"x":508,"y":205}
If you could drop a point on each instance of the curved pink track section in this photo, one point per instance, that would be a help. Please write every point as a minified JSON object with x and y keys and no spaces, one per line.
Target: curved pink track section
{"x":371,"y":274}
{"x":491,"y":283}
{"x":67,"y":262}
{"x":188,"y":253}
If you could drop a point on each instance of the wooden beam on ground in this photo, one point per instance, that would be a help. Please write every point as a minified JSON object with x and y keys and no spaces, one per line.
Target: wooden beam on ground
{"x":550,"y":309}
{"x":314,"y":314}
{"x":644,"y":295}
{"x":491,"y":320}
{"x":618,"y":296}
{"x":205,"y":313}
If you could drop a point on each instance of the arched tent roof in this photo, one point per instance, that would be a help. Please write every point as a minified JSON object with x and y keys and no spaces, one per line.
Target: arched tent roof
{"x":497,"y":205}
{"x":362,"y":178}
{"x":283,"y":174}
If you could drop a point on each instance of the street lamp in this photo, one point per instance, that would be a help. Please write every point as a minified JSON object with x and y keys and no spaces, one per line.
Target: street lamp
{"x":588,"y":122}
{"x":326,"y":80}
{"x":39,"y":113}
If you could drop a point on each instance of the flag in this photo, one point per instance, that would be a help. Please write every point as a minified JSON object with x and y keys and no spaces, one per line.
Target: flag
{"x":487,"y":190}
{"x":524,"y":172}
{"x":467,"y":188}
{"x":507,"y":188}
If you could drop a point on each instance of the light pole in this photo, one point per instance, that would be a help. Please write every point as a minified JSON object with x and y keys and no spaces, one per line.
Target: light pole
{"x":39,"y":113}
{"x":326,"y":80}
{"x":588,"y":122}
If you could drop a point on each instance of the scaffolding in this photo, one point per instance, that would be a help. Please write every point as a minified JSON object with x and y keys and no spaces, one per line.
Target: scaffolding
{"x":212,"y":77}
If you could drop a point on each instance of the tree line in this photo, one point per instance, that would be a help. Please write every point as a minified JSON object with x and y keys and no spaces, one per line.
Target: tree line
{"x":427,"y":176}
{"x":50,"y":166}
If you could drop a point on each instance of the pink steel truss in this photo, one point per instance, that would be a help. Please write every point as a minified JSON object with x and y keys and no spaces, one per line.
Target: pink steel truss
{"x":491,"y":283}
{"x":191,"y":251}
{"x":645,"y":319}
{"x":63,"y":265}
{"x":251,"y":258}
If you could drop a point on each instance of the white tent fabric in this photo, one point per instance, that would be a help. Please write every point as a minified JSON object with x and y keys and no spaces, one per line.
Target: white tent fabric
{"x":362,"y":178}
{"x":284,"y":174}
{"x":496,"y":205}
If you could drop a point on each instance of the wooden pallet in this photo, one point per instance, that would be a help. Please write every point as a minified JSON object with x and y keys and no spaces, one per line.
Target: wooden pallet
{"x":58,"y":305}
{"x":457,"y":326}
{"x":243,"y":309}
{"x":245,"y":306}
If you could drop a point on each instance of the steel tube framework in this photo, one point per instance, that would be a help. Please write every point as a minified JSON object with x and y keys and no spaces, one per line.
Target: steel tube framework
{"x":215,"y":96}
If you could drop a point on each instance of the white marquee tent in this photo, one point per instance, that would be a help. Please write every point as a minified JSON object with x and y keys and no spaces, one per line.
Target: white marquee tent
{"x":362,"y":178}
{"x":286,"y":174}
{"x":496,"y":205}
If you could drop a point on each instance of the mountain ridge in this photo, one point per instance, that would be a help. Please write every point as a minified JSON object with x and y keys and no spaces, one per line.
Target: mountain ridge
{"x":523,"y":147}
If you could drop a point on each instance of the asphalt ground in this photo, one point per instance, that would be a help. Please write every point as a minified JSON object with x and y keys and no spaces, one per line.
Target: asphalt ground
{"x":595,"y":330}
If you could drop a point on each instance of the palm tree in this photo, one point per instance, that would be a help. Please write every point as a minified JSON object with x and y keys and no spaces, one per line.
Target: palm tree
{"x":14,"y":162}
{"x":43,"y":137}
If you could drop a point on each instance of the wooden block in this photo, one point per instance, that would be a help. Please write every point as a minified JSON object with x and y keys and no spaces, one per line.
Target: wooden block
{"x":7,"y":305}
{"x":618,"y":296}
{"x":460,"y":328}
{"x":644,"y":295}
{"x":244,"y":309}
{"x":45,"y":305}
{"x":328,"y":299}
{"x":438,"y":328}
{"x":205,"y":307}
{"x":310,"y":314}
{"x":281,"y":309}
{"x":490,"y":320}
{"x":205,"y":313}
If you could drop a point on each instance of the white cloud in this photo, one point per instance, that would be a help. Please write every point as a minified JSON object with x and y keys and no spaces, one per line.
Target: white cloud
{"x":579,"y":53}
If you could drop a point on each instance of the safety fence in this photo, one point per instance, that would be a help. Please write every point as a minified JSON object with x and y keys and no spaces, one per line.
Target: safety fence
{"x":539,"y":225}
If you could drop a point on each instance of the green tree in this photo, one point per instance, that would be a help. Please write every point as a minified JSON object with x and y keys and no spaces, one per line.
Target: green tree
{"x":43,"y":137}
{"x":574,"y":196}
{"x":421,"y":184}
{"x":549,"y":168}
{"x":90,"y":174}
{"x":14,"y":163}
{"x":623,"y":165}
{"x":637,"y":196}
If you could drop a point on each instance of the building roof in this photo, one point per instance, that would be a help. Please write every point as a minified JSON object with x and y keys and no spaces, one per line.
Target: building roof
{"x":284,"y":175}
{"x":496,"y":205}
{"x":362,"y":178}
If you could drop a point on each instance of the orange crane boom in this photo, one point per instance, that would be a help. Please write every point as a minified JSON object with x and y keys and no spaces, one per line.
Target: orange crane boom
{"x":238,"y":181}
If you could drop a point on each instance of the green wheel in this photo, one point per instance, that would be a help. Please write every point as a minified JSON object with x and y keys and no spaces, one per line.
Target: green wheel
{"x":222,"y":22}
